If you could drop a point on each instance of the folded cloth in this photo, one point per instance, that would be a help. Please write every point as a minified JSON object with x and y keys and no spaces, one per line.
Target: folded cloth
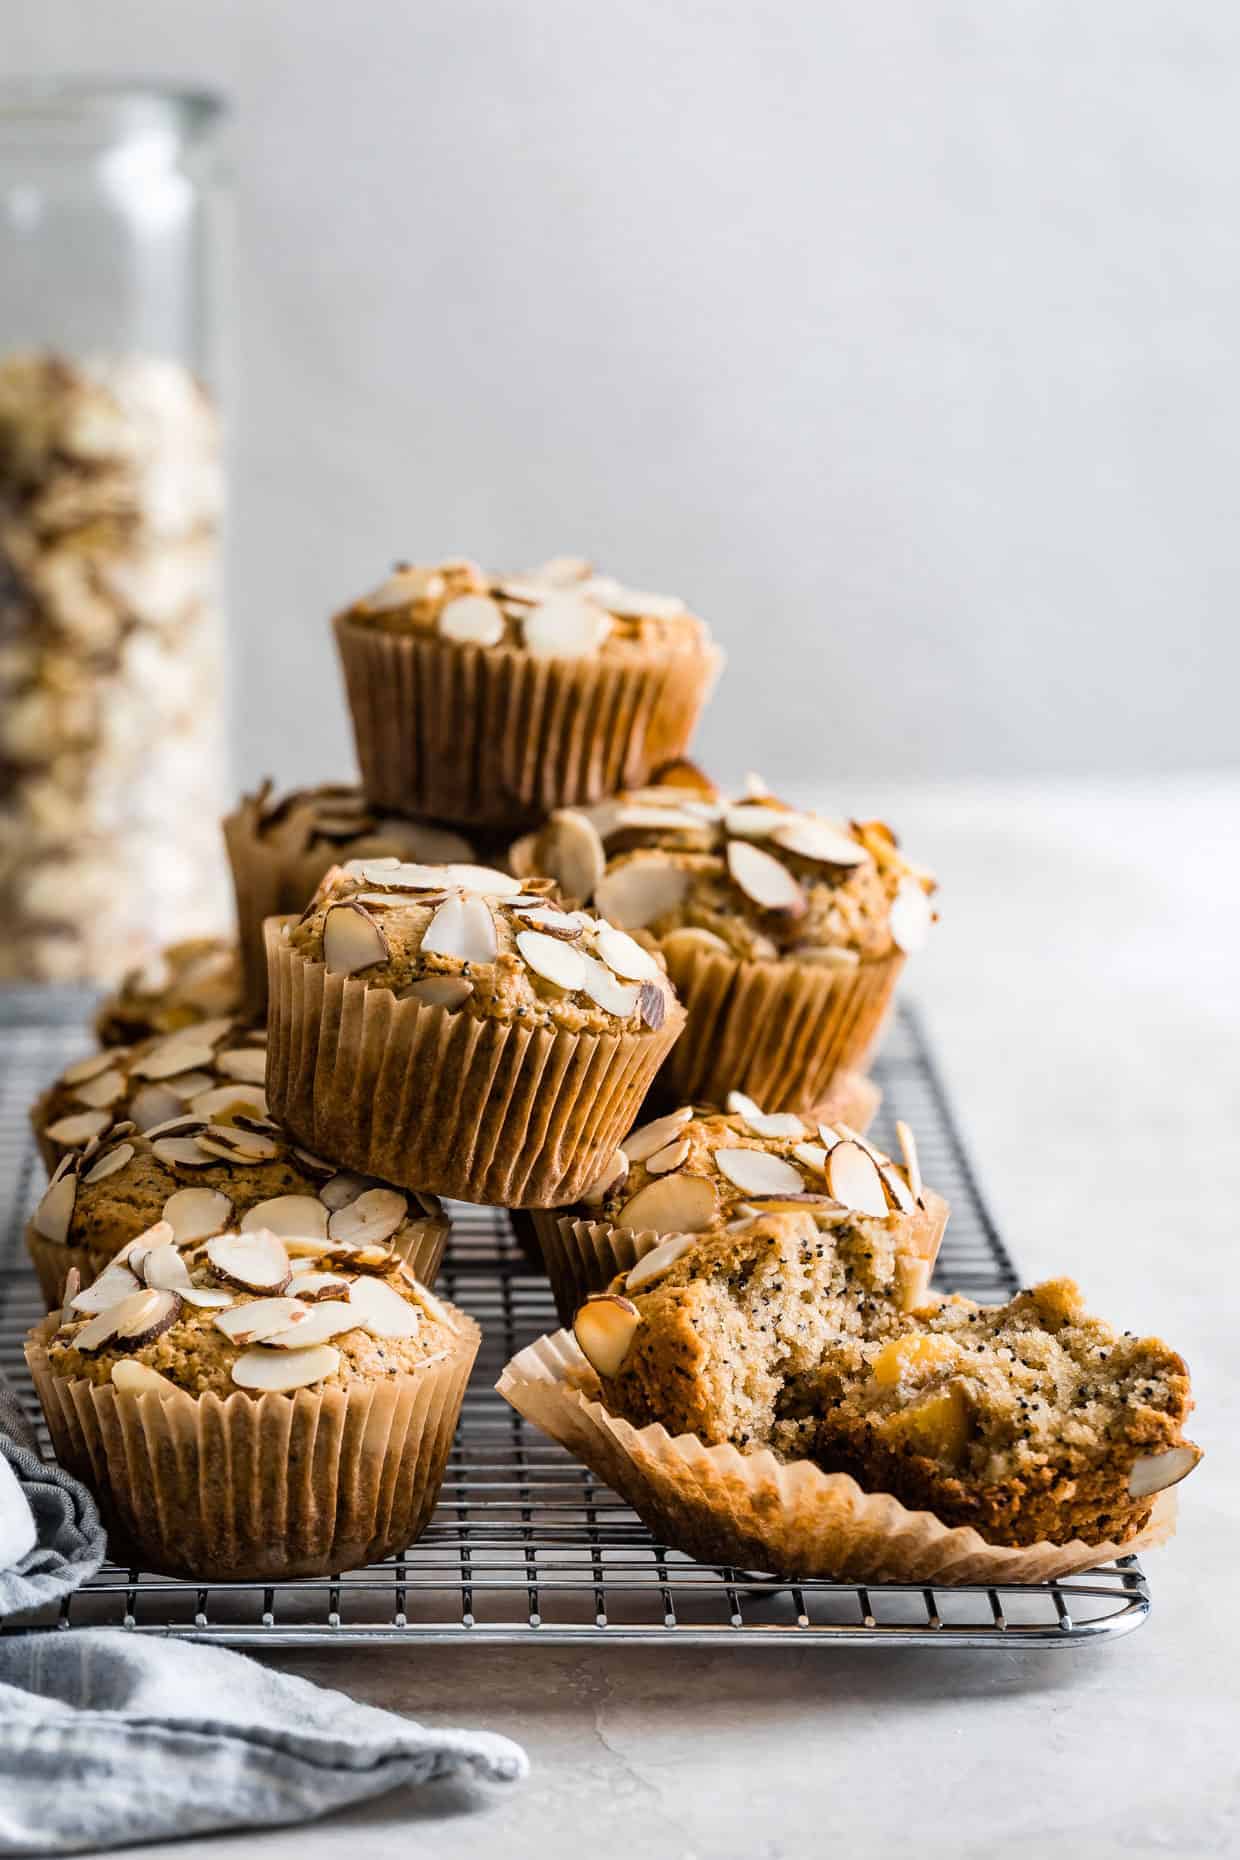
{"x":109,"y":1737}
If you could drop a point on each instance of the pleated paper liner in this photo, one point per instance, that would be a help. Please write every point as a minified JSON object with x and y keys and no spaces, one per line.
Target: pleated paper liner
{"x":493,"y":736}
{"x":259,"y":1488}
{"x":753,"y":1512}
{"x":508,"y":1115}
{"x":583,"y":1256}
{"x":781,"y":1031}
{"x":268,"y":879}
{"x":419,"y":1243}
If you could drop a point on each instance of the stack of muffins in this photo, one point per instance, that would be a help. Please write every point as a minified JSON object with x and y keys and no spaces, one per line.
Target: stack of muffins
{"x":538,"y":961}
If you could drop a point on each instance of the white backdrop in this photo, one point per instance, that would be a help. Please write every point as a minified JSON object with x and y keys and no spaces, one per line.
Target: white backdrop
{"x":898,"y":335}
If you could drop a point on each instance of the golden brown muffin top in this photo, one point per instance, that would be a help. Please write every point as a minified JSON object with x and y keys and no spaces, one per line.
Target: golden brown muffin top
{"x":249,"y":1310}
{"x":479,"y":942}
{"x":561,"y":610}
{"x":336,"y":821}
{"x":752,"y":878}
{"x":203,"y":1177}
{"x":701,"y":1171}
{"x":198,"y":979}
{"x":212,"y":1069}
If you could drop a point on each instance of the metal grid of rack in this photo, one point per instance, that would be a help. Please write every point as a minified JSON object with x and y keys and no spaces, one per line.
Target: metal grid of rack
{"x":525,"y":1543}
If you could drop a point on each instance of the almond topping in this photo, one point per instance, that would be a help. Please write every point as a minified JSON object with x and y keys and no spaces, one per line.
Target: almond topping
{"x":257,"y":1262}
{"x":764,"y":1123}
{"x":196,"y":1213}
{"x":278,"y":1372}
{"x":180,"y":1052}
{"x":225,"y":1101}
{"x":554,"y":961}
{"x":247,"y":1063}
{"x":670,"y":1158}
{"x":627,"y":957}
{"x":108,"y":1163}
{"x":374,"y":1216}
{"x":443,"y":991}
{"x":55,"y":1210}
{"x":92,"y":1065}
{"x":757,"y":1172}
{"x":311,"y":1286}
{"x":619,"y":998}
{"x":134,"y":1378}
{"x":162,"y":1266}
{"x":114,"y":1283}
{"x":101,"y":1091}
{"x":381,"y":1310}
{"x":636,"y":894}
{"x":647,"y":1139}
{"x":652,"y":1004}
{"x":605,"y":1327}
{"x":853,"y":1178}
{"x":911,"y":917}
{"x":908,"y":1150}
{"x":152,"y":1105}
{"x":657,"y":1261}
{"x":671,"y":1204}
{"x":763,"y":878}
{"x":1154,"y":1472}
{"x":345,"y":1186}
{"x":352,"y":939}
{"x":471,"y":620}
{"x":260,"y":1318}
{"x":79,"y":1127}
{"x":564,"y":626}
{"x":328,"y":1318}
{"x":462,"y":927}
{"x":615,"y":1173}
{"x":182,"y":1152}
{"x":570,"y":850}
{"x":819,"y":841}
{"x":301,"y":1217}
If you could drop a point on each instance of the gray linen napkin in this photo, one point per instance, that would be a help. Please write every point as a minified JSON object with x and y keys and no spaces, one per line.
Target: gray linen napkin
{"x":109,"y":1737}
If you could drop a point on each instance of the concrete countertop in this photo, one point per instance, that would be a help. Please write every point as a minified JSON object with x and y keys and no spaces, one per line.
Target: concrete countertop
{"x":1084,"y":992}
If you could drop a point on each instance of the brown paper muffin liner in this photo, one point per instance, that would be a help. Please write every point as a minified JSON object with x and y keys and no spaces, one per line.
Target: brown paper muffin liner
{"x":421,"y":1247}
{"x":258,"y":1489}
{"x":495,"y":737}
{"x":268,"y":880}
{"x":780,"y":1031}
{"x":504,"y":1114}
{"x":584,"y":1256}
{"x":754,"y":1512}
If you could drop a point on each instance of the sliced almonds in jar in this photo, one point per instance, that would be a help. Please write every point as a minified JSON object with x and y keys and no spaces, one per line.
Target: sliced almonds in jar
{"x":605,"y":1327}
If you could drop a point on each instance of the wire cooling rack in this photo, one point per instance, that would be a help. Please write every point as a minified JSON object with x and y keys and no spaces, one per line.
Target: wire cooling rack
{"x":525,"y":1544}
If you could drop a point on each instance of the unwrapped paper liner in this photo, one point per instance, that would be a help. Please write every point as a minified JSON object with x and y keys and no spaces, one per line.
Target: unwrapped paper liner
{"x":754,"y":1512}
{"x":259,"y":1488}
{"x":494,"y":736}
{"x":503,"y":1113}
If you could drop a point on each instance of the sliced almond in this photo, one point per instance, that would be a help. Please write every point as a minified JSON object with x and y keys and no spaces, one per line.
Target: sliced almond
{"x":652,"y":1002}
{"x":911,"y":917}
{"x":143,"y":1316}
{"x":79,"y":1127}
{"x":381,"y":1310}
{"x":554,"y":961}
{"x":820,"y":841}
{"x":647,"y":1139}
{"x":763,"y":878}
{"x":163,"y":1268}
{"x":323,"y":1321}
{"x":908,"y":1150}
{"x":345,"y":1186}
{"x":757,"y":1172}
{"x":374,"y":1216}
{"x":657,"y":1261}
{"x":828,"y":956}
{"x":663,"y":1161}
{"x":745,"y":821}
{"x":197,"y":1213}
{"x":764,"y":1123}
{"x":301,"y":1216}
{"x":626,"y":956}
{"x":376,"y":1258}
{"x":209,"y":1297}
{"x":185,"y":1085}
{"x":257,"y":1262}
{"x":551,"y":920}
{"x":235,"y":1143}
{"x":830,"y":1136}
{"x":813,"y":1155}
{"x":114,"y":1283}
{"x":107,"y":1163}
{"x":611,"y":1178}
{"x":898,"y":1191}
{"x":247,"y":1063}
{"x":182,"y":1152}
{"x":619,"y":998}
{"x":687,"y":776}
{"x":278,"y":1372}
{"x":404,"y":588}
{"x":352,"y":939}
{"x":691,"y":941}
{"x":564,"y":626}
{"x":605,"y":1327}
{"x":311,"y":1286}
{"x":672,"y":1204}
{"x":443,"y":991}
{"x":853,"y":1178}
{"x":180,"y":1052}
{"x":462,"y":927}
{"x":55,"y":1211}
{"x":570,"y":849}
{"x":226,"y":1101}
{"x":152,"y":1105}
{"x":134,"y":1378}
{"x":260,"y":1318}
{"x":471,"y":620}
{"x":92,"y":1065}
{"x":314,"y":1165}
{"x":639,"y":604}
{"x":639,"y":892}
{"x":210,"y":1032}
{"x":486,"y":880}
{"x":1154,"y":1472}
{"x":102,"y":1091}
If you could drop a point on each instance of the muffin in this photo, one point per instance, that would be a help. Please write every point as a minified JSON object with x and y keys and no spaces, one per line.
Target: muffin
{"x":251,"y":1407}
{"x":214,"y":1068}
{"x":201,"y":1176}
{"x":763,"y":1400}
{"x":490,"y":700}
{"x":199,"y":979}
{"x":710,"y":1172}
{"x":279,"y":849}
{"x":446,"y":1027}
{"x":784,"y":933}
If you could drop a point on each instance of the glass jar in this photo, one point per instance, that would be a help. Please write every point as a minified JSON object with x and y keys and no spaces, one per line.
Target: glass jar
{"x":113,"y":762}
